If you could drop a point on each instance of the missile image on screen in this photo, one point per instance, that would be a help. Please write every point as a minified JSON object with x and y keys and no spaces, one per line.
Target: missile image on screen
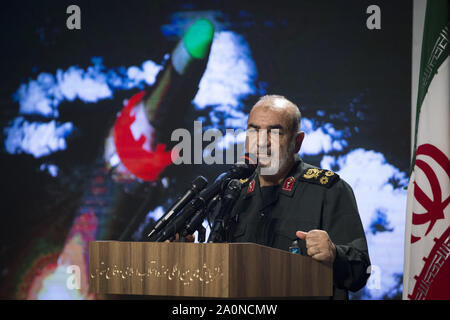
{"x":129,"y":169}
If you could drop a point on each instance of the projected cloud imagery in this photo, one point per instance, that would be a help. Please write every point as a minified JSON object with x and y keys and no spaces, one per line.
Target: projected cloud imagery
{"x":61,"y":149}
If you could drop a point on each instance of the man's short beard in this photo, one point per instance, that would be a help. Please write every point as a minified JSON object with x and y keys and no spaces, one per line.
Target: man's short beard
{"x":283,"y":162}
{"x":287,"y":159}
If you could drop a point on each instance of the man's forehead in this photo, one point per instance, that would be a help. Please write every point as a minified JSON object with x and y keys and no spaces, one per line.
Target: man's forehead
{"x":264,"y":108}
{"x":262,"y":117}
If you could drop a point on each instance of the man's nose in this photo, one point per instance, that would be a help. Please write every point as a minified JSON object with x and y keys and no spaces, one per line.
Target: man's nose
{"x":263,"y":139}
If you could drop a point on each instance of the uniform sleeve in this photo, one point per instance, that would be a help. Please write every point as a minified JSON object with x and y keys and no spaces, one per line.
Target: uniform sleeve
{"x":343,"y":224}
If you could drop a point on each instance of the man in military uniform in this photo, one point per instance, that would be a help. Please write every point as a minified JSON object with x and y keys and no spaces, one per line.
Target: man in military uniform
{"x":299,"y":201}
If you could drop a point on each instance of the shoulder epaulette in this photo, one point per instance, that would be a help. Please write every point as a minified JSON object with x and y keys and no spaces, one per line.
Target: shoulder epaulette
{"x":323,"y":177}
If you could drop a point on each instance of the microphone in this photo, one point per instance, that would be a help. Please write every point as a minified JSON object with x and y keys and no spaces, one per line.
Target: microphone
{"x":231,"y":194}
{"x":238,"y":171}
{"x":197,"y":185}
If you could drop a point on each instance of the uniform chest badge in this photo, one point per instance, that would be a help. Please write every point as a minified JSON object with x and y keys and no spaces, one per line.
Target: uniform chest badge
{"x":251,"y":187}
{"x":288,"y":184}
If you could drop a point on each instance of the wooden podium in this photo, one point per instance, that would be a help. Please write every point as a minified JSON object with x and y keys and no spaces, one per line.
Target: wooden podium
{"x":213,"y":270}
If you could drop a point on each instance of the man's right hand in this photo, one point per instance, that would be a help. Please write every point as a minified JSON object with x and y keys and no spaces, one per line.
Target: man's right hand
{"x":188,"y":238}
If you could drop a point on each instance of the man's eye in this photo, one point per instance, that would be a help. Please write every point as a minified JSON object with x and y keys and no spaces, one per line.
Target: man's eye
{"x":275,"y":132}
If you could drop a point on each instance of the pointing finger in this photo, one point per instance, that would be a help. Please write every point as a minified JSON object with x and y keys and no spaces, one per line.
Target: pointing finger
{"x":301,"y":235}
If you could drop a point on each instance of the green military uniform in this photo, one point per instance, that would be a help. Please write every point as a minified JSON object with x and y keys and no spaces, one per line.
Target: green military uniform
{"x":309,"y":198}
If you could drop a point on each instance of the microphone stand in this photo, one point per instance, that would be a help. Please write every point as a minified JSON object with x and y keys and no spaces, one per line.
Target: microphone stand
{"x":221,"y":225}
{"x":195,"y":210}
{"x":230,"y":195}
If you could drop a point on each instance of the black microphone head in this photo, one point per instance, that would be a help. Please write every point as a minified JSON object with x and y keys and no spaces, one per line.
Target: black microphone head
{"x":233,"y":187}
{"x":232,"y":190}
{"x":199,"y":184}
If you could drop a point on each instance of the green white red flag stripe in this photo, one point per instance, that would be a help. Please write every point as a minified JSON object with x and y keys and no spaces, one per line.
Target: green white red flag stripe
{"x":427,"y":237}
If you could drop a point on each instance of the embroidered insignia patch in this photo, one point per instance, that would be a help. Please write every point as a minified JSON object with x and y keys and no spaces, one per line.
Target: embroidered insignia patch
{"x":322,"y":177}
{"x":243,"y":180}
{"x":288,"y":184}
{"x":329,"y":173}
{"x":312,"y":173}
{"x":323,"y":180}
{"x":251,"y":186}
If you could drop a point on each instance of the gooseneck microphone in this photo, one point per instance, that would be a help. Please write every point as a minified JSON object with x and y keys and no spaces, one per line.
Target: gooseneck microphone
{"x":238,"y":171}
{"x":197,"y":185}
{"x":230,"y":196}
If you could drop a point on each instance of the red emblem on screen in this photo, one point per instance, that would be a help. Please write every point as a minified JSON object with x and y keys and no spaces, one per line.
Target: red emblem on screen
{"x":135,"y":154}
{"x":288,"y":184}
{"x":434,"y":207}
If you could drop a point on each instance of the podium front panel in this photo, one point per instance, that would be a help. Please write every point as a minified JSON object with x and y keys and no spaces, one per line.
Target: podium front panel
{"x":216,"y":270}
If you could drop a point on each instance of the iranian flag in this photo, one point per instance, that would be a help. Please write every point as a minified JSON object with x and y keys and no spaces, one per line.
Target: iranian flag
{"x":427,"y":240}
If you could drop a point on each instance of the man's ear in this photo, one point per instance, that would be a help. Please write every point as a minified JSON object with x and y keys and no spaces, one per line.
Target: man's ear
{"x":299,"y":140}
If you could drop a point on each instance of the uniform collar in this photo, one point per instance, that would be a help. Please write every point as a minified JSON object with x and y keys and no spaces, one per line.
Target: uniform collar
{"x":290,"y":183}
{"x":253,"y":186}
{"x":286,"y":188}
